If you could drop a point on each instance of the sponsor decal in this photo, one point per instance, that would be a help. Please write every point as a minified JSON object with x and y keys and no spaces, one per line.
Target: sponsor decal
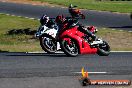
{"x":85,"y":80}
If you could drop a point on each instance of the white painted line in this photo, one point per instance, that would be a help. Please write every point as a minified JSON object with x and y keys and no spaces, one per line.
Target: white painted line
{"x":120,"y":30}
{"x":26,"y":17}
{"x":63,"y":7}
{"x":121,"y":51}
{"x":34,"y":4}
{"x":104,"y":28}
{"x":3,"y":1}
{"x":36,"y":52}
{"x":26,"y":3}
{"x":63,"y":52}
{"x":8,"y":14}
{"x":43,"y":52}
{"x":129,"y":31}
{"x":52,"y":6}
{"x":92,"y":72}
{"x":19,"y":16}
{"x":32,"y":18}
{"x":12,"y":15}
{"x":59,"y":52}
{"x":113,"y":29}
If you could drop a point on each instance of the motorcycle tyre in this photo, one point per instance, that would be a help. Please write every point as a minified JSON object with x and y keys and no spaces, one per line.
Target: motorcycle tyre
{"x":44,"y":47}
{"x":66,"y":51}
{"x":102,"y":52}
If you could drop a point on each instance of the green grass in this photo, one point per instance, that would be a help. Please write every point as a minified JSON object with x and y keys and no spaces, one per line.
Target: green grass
{"x":113,"y":6}
{"x":26,"y":43}
{"x":20,"y":42}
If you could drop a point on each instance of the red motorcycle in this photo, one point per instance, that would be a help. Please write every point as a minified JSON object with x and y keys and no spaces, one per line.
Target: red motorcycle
{"x":74,"y":42}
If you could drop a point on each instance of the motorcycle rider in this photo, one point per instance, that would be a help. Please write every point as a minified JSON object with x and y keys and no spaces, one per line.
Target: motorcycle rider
{"x":75,"y":13}
{"x":45,"y":20}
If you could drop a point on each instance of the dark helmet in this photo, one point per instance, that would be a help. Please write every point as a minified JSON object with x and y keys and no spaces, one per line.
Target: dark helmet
{"x":44,"y":19}
{"x":74,"y":11}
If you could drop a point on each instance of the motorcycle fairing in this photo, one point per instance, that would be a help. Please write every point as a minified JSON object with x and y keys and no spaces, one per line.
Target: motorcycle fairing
{"x":83,"y":45}
{"x":45,"y":30}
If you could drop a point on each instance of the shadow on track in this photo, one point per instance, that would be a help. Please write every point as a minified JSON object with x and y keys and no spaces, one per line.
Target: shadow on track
{"x":131,"y":16}
{"x":3,"y":51}
{"x":122,"y":27}
{"x":37,"y":54}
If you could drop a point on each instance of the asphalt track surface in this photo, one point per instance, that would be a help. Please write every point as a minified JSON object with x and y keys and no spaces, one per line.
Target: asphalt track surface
{"x":58,"y":70}
{"x":99,"y":19}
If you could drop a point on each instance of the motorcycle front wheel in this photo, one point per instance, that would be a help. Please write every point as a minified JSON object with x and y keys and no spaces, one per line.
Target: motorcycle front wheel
{"x":103,"y":49}
{"x":48,"y":43}
{"x":69,"y":47}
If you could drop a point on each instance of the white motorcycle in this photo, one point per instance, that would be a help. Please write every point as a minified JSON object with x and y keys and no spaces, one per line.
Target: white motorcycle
{"x":47,"y":36}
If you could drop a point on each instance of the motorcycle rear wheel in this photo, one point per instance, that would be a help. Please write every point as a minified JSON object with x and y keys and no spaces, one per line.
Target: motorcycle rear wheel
{"x":48,"y":43}
{"x":69,"y":49}
{"x":103,"y":49}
